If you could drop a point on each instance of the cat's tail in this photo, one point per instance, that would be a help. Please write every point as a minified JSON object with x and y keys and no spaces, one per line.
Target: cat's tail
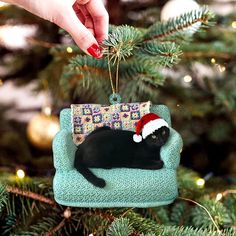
{"x":91,"y":177}
{"x":87,"y":173}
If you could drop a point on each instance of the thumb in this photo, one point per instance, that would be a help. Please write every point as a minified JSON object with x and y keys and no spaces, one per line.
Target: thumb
{"x":81,"y":35}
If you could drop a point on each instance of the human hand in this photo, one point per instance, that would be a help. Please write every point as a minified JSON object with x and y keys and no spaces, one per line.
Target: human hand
{"x":85,"y":20}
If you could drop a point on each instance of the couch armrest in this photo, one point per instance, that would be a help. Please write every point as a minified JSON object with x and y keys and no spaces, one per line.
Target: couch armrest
{"x":170,"y":152}
{"x":63,"y":151}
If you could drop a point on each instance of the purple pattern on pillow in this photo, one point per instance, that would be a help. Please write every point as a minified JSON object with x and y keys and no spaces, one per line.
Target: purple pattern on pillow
{"x":88,"y":117}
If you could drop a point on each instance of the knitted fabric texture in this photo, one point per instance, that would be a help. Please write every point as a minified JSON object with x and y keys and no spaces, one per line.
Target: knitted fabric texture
{"x":87,"y":117}
{"x":125,"y":187}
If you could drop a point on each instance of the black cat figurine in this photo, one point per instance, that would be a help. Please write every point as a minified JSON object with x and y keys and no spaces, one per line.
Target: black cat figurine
{"x":107,"y":148}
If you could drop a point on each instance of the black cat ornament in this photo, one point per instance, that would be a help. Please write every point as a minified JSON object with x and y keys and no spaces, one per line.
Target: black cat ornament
{"x":107,"y":148}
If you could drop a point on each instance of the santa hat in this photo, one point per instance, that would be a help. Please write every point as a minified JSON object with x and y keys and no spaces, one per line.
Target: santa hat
{"x":147,"y":125}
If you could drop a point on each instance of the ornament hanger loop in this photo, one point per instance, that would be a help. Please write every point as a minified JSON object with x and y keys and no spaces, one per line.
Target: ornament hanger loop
{"x":115,"y":96}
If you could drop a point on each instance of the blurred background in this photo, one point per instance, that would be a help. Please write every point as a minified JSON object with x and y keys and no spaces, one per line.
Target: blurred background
{"x":200,"y":91}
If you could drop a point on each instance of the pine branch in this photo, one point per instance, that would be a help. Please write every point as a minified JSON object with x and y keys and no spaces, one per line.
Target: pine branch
{"x":55,"y":229}
{"x":30,"y":194}
{"x":89,"y":77}
{"x":175,"y":27}
{"x":186,"y":231}
{"x":46,"y":224}
{"x":219,"y":215}
{"x":159,"y":215}
{"x":139,"y":80}
{"x":147,"y":226}
{"x":178,"y":213}
{"x":187,"y":183}
{"x":86,"y":76}
{"x":3,"y":197}
{"x":143,"y":225}
{"x":120,"y":227}
{"x":121,"y":43}
{"x":135,"y":70}
{"x":158,"y":53}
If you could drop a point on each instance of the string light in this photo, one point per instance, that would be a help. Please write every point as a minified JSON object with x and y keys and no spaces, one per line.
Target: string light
{"x":69,"y":49}
{"x":3,"y":5}
{"x":221,"y":68}
{"x":200,"y":182}
{"x":91,"y":234}
{"x":219,"y":196}
{"x":67,"y":213}
{"x":178,"y":105}
{"x":187,"y":79}
{"x":1,"y":82}
{"x":213,"y":60}
{"x":234,"y":24}
{"x":20,"y":174}
{"x":47,"y":110}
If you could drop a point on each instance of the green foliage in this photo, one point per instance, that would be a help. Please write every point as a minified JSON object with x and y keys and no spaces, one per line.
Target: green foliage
{"x":230,"y":204}
{"x":187,"y":183}
{"x":86,"y":76}
{"x":19,"y":211}
{"x":218,"y":211}
{"x":174,"y":28}
{"x":158,"y":53}
{"x":121,"y":43}
{"x":3,"y":197}
{"x":9,"y":224}
{"x":135,"y":55}
{"x":93,"y":222}
{"x":178,"y":213}
{"x":22,"y":215}
{"x":42,"y":226}
{"x":143,"y":225}
{"x":158,"y":214}
{"x":120,"y":227}
{"x":186,"y":231}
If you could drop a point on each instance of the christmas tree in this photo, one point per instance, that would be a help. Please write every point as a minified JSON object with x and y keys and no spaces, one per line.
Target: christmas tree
{"x":151,"y":60}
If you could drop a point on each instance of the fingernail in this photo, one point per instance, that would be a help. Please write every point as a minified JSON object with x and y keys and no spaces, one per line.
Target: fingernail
{"x":95,"y":51}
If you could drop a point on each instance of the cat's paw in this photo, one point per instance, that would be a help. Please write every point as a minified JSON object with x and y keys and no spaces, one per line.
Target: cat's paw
{"x":101,"y":183}
{"x":160,"y":164}
{"x":155,"y":165}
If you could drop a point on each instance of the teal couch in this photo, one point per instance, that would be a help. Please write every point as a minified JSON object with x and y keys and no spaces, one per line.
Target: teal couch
{"x":125,"y":187}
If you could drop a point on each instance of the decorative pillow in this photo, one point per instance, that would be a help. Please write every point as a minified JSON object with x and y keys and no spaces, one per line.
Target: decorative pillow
{"x":88,"y":117}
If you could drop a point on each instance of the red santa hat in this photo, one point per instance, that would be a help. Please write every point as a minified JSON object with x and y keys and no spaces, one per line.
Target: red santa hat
{"x":147,"y":125}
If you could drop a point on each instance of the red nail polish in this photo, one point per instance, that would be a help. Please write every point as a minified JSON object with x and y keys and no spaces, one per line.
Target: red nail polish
{"x":95,"y":51}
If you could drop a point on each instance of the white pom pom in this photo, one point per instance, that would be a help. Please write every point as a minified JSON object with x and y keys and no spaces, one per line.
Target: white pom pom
{"x":137,"y":138}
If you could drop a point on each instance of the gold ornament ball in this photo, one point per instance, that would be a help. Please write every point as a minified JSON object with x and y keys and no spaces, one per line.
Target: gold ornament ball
{"x":42,"y":129}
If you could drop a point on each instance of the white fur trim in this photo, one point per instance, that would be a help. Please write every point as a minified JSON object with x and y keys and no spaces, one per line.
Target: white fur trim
{"x":153,"y":125}
{"x":137,"y":138}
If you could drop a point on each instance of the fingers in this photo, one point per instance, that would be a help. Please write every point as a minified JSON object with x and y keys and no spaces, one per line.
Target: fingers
{"x":78,"y":12}
{"x":82,"y":36}
{"x":88,"y":22}
{"x":100,"y":18}
{"x":82,"y":2}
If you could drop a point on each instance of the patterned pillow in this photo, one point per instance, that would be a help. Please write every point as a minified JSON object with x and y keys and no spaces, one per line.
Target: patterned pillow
{"x":88,"y":117}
